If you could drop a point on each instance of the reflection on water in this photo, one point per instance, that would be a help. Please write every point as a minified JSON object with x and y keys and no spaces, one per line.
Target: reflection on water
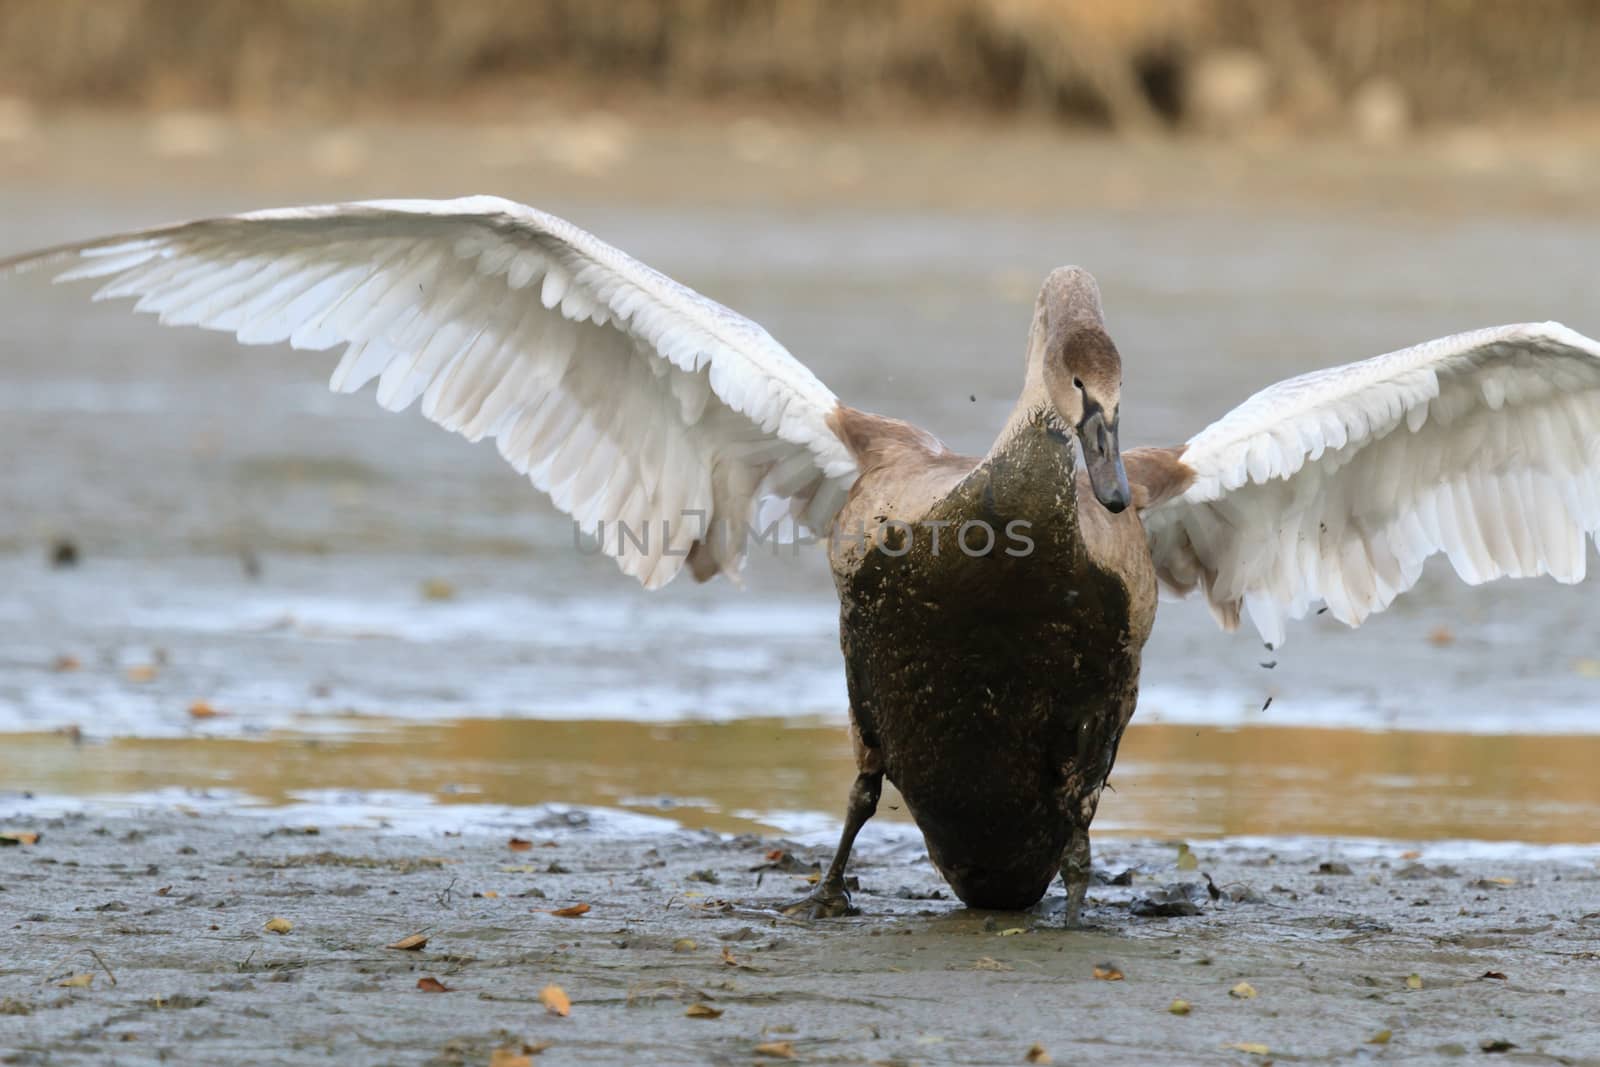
{"x":1181,"y":781}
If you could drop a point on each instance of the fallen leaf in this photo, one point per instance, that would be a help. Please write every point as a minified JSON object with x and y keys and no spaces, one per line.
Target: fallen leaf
{"x":1252,"y":1047}
{"x":509,"y":1057}
{"x":1587,"y":668}
{"x":413,"y":943}
{"x":142,"y":672}
{"x":1499,"y":976}
{"x":1179,"y":1006}
{"x":432,"y":985}
{"x":520,"y":868}
{"x":728,"y":957}
{"x":703,"y":1011}
{"x":775,"y":855}
{"x":65,"y":663}
{"x":989,"y":963}
{"x":1411,"y":854}
{"x":201,"y":710}
{"x":571,"y":911}
{"x":1012,"y":931}
{"x":555,"y":1000}
{"x":1107,"y":972}
{"x":1441,"y":637}
{"x":19,"y":837}
{"x":684,"y":944}
{"x":784,"y":1050}
{"x":77,"y":981}
{"x":278,"y":926}
{"x":1036,"y":1054}
{"x":1501,"y":881}
{"x":517,"y":844}
{"x":1186,"y":859}
{"x":1413,"y":981}
{"x":437,"y":589}
{"x":1242,"y":991}
{"x":1380,"y":1038}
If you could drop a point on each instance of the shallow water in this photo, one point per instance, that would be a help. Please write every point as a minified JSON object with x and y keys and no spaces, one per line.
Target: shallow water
{"x":765,"y":775}
{"x":254,"y":542}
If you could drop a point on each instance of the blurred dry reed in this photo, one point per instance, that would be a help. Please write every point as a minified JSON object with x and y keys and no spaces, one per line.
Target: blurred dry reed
{"x":1128,"y":63}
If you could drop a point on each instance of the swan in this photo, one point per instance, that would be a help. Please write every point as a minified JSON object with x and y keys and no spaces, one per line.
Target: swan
{"x":993,"y":609}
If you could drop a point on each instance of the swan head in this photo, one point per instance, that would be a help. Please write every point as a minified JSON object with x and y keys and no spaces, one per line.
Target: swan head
{"x":1082,"y":374}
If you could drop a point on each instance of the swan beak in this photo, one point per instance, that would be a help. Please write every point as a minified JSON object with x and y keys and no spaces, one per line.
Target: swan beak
{"x":1104,"y":460}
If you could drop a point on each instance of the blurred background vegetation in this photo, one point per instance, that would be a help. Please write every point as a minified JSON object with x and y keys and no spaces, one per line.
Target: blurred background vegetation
{"x":1373,"y":67}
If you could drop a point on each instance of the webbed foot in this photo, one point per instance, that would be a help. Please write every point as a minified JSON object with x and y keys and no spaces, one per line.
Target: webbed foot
{"x":824,"y":902}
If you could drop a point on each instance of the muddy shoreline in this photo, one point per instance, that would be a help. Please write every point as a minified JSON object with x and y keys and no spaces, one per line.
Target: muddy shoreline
{"x":1451,"y":950}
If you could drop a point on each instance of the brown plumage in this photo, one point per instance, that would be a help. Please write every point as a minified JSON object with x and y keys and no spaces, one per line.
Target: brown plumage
{"x":992,"y":615}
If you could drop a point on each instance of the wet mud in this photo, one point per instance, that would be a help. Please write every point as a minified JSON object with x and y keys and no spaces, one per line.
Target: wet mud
{"x":145,"y":939}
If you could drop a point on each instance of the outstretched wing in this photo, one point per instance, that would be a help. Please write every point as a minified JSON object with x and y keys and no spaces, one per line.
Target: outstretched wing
{"x":632,"y":400}
{"x":1336,"y":486}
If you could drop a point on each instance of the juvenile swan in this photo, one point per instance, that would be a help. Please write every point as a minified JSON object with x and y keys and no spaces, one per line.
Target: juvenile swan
{"x":993,"y":609}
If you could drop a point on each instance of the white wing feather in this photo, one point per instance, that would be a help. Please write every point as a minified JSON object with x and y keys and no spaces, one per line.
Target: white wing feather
{"x":635,"y":402}
{"x":1336,"y":486}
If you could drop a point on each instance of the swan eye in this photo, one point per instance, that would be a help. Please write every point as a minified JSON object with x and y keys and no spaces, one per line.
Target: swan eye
{"x":1077,"y":383}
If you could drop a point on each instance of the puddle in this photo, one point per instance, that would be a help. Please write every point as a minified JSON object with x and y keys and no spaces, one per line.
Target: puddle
{"x":777,"y":775}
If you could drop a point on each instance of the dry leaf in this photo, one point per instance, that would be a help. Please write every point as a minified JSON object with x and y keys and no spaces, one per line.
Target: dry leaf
{"x":572,"y":911}
{"x":775,"y":855}
{"x":1500,"y":881}
{"x":703,"y":1011}
{"x":989,"y":963}
{"x":1411,"y":854}
{"x":19,"y":837}
{"x":1587,"y":668}
{"x":432,"y":985}
{"x":1107,"y":972}
{"x":728,"y":957}
{"x":1497,"y":975}
{"x":1186,"y":859}
{"x":437,"y":589}
{"x":278,"y":926}
{"x":201,"y":710}
{"x":684,"y":944}
{"x":413,"y":943}
{"x":555,"y":1000}
{"x":1242,"y":991}
{"x":781,"y":1049}
{"x":142,"y":672}
{"x":77,"y":981}
{"x":509,"y":1057}
{"x":517,"y":844}
{"x":1414,"y":981}
{"x":1012,"y":931}
{"x":1037,"y":1054}
{"x":1179,"y":1006}
{"x":1254,"y":1048}
{"x":65,"y":663}
{"x":1380,"y":1038}
{"x":1441,"y":637}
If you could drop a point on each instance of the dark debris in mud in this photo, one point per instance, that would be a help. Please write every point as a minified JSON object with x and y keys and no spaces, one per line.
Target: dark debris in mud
{"x":153,"y":943}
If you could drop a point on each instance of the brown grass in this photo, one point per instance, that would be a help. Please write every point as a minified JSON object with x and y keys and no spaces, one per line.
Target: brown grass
{"x":1119,"y":61}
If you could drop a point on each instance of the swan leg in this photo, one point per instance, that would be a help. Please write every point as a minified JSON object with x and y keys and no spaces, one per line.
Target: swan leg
{"x":1075,"y":871}
{"x":830,"y":899}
